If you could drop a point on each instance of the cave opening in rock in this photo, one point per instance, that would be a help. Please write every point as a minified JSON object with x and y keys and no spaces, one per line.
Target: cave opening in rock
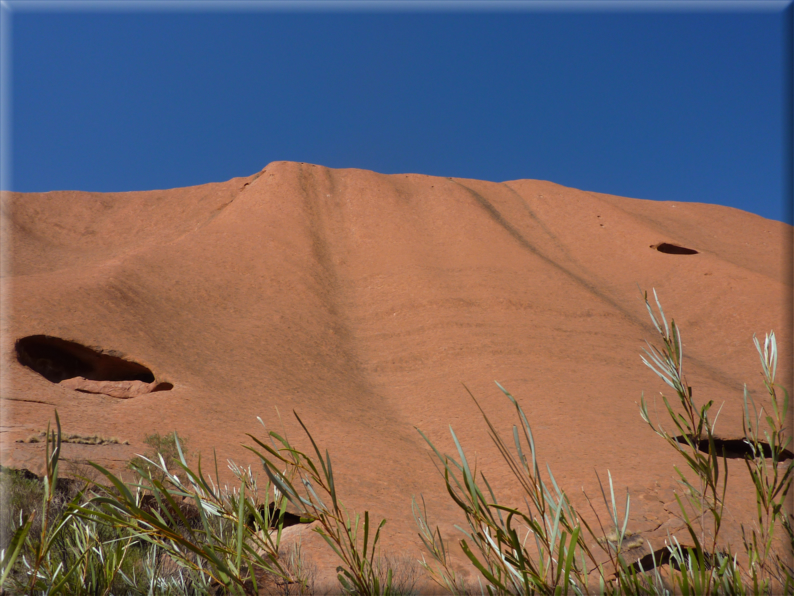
{"x":57,"y":360}
{"x":673,"y":249}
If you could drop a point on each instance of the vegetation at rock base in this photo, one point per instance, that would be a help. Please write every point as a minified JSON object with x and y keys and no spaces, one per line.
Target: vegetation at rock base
{"x":175,"y":530}
{"x":75,"y":438}
{"x":160,"y":446}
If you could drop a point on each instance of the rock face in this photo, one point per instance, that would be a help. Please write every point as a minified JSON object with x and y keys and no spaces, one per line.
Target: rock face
{"x":120,"y":389}
{"x":363,"y":301}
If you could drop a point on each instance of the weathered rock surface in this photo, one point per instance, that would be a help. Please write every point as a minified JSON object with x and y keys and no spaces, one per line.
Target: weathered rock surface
{"x":120,"y":389}
{"x":363,"y":301}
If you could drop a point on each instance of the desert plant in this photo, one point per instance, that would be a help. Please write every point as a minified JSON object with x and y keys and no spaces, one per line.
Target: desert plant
{"x":351,"y":538}
{"x":49,"y":527}
{"x":771,"y":483}
{"x":54,"y":552}
{"x":89,"y":558}
{"x":159,"y":446}
{"x":495,"y":536}
{"x":535,"y":549}
{"x":405,"y":573}
{"x":210,"y":537}
{"x":440,"y":571}
{"x":707,"y":496}
{"x":709,"y":569}
{"x":137,"y":539}
{"x":299,"y":568}
{"x":219,"y":544}
{"x":22,"y":493}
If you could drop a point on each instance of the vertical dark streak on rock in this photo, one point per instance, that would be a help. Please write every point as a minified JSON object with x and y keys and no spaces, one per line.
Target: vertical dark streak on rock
{"x":540,"y":222}
{"x":497,"y":217}
{"x":344,"y":337}
{"x":328,"y":278}
{"x":713,"y":372}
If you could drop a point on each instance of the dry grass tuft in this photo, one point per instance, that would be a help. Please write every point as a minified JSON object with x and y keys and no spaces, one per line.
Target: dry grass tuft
{"x":630,"y":540}
{"x":76,"y":439}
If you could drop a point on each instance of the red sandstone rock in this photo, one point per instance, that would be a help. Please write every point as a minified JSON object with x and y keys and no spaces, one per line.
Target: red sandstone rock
{"x":363,"y":301}
{"x":120,"y":389}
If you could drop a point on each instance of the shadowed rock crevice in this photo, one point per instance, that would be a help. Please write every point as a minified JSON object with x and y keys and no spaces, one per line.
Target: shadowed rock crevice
{"x":673,"y":249}
{"x":662,"y":556}
{"x":736,"y":448}
{"x":654,"y":560}
{"x":290,"y":518}
{"x":80,"y":368}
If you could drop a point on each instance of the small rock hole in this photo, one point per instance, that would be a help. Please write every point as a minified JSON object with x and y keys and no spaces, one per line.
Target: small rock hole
{"x":673,"y":249}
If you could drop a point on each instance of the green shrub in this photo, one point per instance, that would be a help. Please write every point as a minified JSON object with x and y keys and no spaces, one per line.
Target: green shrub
{"x":352,"y":538}
{"x":21,"y":494}
{"x":160,"y":446}
{"x":135,"y":539}
{"x":48,"y":551}
{"x":539,"y":547}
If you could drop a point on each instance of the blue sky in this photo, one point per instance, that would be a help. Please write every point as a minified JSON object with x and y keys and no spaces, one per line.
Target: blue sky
{"x":639,"y":100}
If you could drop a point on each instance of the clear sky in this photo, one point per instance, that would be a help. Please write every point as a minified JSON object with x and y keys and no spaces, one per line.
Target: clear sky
{"x":687,"y":102}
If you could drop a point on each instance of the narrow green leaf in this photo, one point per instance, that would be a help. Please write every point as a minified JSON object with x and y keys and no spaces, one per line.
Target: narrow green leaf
{"x":240,"y":526}
{"x":569,"y":559}
{"x":15,"y":547}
